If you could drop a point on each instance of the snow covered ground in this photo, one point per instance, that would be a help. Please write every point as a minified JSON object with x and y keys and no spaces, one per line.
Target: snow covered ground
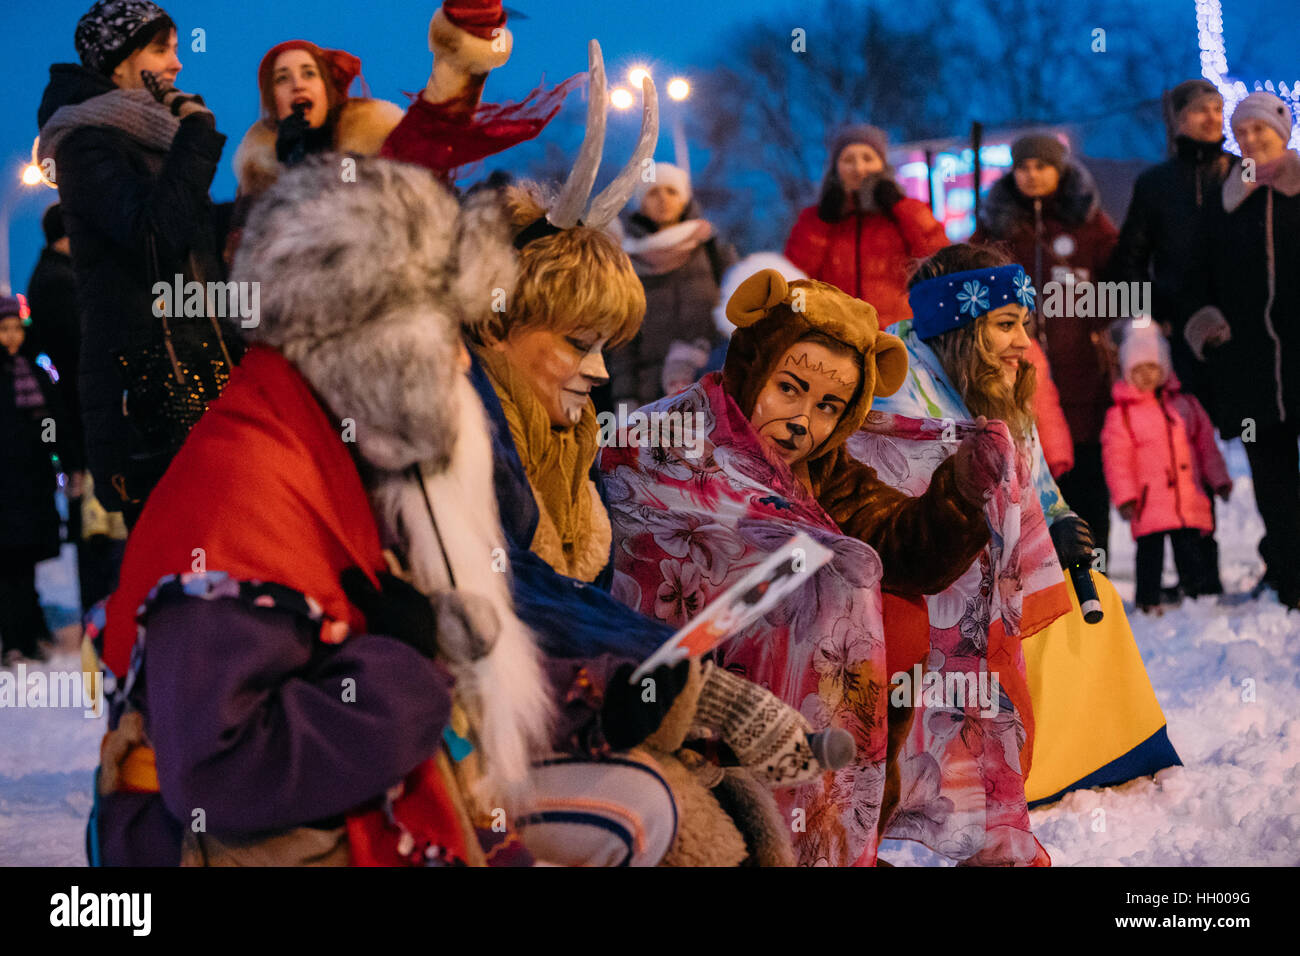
{"x":1235,"y":803}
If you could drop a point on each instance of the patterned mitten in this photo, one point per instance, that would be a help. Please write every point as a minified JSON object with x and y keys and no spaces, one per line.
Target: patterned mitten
{"x":166,"y":94}
{"x":768,"y":737}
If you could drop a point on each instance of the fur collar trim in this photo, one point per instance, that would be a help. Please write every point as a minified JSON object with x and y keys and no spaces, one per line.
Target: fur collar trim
{"x":362,"y":127}
{"x":1286,"y":181}
{"x":1005,"y":207}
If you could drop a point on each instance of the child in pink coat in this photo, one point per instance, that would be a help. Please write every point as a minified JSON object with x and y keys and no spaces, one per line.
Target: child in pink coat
{"x":1160,"y":459}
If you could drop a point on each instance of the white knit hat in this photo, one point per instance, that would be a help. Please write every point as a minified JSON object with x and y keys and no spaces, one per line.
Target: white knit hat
{"x":742,"y":270}
{"x":1265,"y":106}
{"x":1143,"y":343}
{"x":666,"y":174}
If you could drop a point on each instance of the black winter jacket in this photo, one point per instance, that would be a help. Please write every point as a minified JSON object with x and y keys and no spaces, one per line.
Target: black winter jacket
{"x":1158,"y":241}
{"x":116,"y":192}
{"x":1256,"y":285}
{"x":56,"y":331}
{"x":29,"y":523}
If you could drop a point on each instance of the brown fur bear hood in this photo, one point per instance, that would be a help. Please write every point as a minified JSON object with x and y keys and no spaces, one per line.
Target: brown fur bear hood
{"x":771,"y":315}
{"x":363,"y":125}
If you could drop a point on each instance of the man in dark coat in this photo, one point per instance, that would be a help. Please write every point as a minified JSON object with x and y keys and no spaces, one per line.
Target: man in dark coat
{"x":1158,"y":239}
{"x":133,"y":166}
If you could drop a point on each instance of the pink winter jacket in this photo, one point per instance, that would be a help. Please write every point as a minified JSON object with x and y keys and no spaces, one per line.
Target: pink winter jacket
{"x":1158,"y":451}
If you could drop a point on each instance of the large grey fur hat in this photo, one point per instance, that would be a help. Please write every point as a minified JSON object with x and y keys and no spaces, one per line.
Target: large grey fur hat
{"x":365,"y":281}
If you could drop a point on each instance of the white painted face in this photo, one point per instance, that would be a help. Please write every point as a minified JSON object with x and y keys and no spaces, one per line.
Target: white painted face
{"x":562,"y":368}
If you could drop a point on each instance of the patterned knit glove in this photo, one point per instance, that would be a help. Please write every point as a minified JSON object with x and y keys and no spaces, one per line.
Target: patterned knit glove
{"x":768,"y":737}
{"x":168,"y":95}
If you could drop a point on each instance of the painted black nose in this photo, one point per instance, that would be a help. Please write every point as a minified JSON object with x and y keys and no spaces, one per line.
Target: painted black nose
{"x":796,"y":431}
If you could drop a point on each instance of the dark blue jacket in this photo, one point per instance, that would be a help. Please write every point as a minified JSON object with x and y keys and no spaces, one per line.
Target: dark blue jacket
{"x":572,"y":618}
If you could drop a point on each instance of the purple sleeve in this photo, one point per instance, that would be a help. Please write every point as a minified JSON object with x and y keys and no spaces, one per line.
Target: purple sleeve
{"x":261,"y":734}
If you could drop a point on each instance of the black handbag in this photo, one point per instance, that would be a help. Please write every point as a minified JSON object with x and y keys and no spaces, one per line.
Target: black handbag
{"x":168,"y":386}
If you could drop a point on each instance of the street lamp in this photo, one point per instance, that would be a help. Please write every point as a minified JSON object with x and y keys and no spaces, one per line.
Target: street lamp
{"x":13,"y":193}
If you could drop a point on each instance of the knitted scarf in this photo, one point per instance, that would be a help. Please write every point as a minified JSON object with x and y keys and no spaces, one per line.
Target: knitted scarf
{"x":134,"y":112}
{"x":573,"y":533}
{"x":668,"y":249}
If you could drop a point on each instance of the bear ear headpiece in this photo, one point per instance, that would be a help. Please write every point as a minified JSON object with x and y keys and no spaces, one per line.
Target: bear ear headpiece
{"x":829,"y":310}
{"x":757,"y":296}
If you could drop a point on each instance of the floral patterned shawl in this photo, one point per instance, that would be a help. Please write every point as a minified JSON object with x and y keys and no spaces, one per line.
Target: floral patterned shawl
{"x":686,"y":528}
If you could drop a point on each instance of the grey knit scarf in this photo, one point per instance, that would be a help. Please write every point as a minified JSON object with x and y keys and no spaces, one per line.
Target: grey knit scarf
{"x":134,"y":112}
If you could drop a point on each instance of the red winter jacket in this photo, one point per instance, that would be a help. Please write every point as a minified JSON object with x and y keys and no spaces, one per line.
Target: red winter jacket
{"x":1158,"y":451}
{"x":1053,"y":429}
{"x":867,"y":255}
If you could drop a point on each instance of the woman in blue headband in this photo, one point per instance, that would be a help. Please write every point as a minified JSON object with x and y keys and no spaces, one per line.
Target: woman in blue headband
{"x":967,"y":345}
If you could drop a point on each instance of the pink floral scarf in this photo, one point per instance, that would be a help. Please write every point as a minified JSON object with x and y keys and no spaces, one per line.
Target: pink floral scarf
{"x":686,"y":528}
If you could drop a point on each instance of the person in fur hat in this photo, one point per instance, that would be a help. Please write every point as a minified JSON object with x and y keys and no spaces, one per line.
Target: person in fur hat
{"x":351,"y":416}
{"x":863,"y":233}
{"x":1161,"y":460}
{"x":1241,"y":301}
{"x":1047,"y":213}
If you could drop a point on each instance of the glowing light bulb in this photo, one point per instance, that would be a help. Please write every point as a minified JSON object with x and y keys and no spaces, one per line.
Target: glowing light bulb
{"x":31,"y":174}
{"x":636,"y":75}
{"x":678,"y":88}
{"x":620,"y":98}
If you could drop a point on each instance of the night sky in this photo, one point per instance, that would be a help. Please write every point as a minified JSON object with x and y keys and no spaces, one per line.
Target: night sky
{"x":676,"y":36}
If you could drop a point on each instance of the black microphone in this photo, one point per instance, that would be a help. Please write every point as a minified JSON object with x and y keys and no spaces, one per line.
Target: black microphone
{"x":1089,"y":603}
{"x":833,"y":747}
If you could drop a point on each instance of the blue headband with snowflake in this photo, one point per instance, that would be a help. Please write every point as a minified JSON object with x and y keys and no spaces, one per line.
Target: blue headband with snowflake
{"x":951,"y":301}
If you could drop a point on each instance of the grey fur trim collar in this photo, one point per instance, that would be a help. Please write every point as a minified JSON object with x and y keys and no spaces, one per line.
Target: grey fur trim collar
{"x":1074,"y":201}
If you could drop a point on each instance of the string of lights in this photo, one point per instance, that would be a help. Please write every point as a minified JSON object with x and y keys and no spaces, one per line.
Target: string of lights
{"x":1214,"y":67}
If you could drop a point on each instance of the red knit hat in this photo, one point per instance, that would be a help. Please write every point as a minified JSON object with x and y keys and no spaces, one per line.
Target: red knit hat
{"x":343,"y":68}
{"x":479,"y":17}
